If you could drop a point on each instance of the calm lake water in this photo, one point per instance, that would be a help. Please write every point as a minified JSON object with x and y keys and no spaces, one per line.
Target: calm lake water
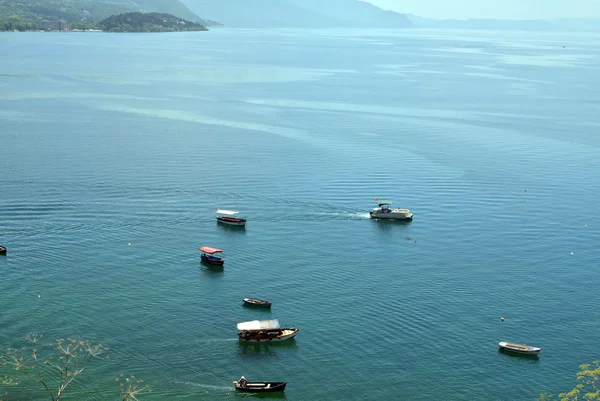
{"x":490,"y":138}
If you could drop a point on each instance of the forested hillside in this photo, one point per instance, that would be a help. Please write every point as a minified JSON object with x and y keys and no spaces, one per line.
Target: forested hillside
{"x":150,"y":22}
{"x":90,"y":10}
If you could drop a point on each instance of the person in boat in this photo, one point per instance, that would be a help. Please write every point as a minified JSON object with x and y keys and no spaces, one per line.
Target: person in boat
{"x":242,"y":382}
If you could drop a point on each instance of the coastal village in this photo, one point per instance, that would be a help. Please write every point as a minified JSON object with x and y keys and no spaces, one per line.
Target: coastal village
{"x":60,"y":26}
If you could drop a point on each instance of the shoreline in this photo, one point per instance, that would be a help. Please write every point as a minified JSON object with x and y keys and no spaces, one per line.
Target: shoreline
{"x":131,"y":22}
{"x":56,"y":31}
{"x":98,"y":31}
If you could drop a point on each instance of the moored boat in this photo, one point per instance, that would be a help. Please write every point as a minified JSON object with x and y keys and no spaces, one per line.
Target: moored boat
{"x":384,"y":211}
{"x":209,"y":256}
{"x":258,"y":387}
{"x":519,"y":348}
{"x":257,"y":331}
{"x":230,"y":217}
{"x":261,"y":303}
{"x":2,"y":250}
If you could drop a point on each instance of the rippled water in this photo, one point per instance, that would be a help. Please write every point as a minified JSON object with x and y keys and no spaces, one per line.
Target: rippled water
{"x":490,"y":139}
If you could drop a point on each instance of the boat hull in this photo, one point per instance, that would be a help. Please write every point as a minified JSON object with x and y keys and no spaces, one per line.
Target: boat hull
{"x":232,"y":221}
{"x":2,"y":250}
{"x":258,"y":303}
{"x":288,"y":335}
{"x":391,"y":216}
{"x":519,"y":349}
{"x":261,"y":387}
{"x":212,"y":260}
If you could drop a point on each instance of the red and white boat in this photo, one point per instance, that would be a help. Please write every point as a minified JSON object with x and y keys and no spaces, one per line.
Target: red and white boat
{"x":230,"y":217}
{"x":209,"y":257}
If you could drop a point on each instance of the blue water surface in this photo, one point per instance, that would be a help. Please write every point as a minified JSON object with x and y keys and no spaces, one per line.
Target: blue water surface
{"x":117,"y":149}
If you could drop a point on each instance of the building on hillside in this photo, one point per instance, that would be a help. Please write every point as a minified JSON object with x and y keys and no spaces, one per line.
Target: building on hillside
{"x":54,"y":26}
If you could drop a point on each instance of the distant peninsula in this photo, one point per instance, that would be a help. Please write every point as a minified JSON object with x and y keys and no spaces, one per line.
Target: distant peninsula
{"x":66,"y":15}
{"x":148,"y":22}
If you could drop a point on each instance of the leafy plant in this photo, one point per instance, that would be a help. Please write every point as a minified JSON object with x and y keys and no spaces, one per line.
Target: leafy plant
{"x":55,"y":367}
{"x":588,"y":388}
{"x":6,"y":383}
{"x":131,"y":388}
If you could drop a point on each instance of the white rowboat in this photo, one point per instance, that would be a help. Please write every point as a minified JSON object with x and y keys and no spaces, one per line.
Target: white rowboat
{"x":519,"y":348}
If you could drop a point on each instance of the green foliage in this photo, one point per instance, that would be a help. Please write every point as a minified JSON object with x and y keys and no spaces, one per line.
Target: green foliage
{"x":16,"y":23}
{"x":151,"y":22}
{"x":82,"y":26}
{"x":88,"y":10}
{"x":588,"y":388}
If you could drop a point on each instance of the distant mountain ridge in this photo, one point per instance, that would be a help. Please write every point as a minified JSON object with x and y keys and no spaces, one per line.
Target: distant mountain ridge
{"x":356,"y":13}
{"x":269,"y":14}
{"x":579,"y":24}
{"x":298,"y":14}
{"x":482,"y":23}
{"x":574,"y":24}
{"x":91,"y":10}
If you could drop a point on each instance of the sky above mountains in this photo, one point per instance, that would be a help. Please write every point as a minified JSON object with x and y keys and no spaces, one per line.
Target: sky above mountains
{"x":498,"y":9}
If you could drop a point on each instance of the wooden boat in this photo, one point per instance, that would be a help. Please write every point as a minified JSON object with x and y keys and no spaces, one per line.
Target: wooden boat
{"x":519,"y":348}
{"x":229,"y":217}
{"x":260,"y":303}
{"x":264,"y":331}
{"x":258,"y":387}
{"x":208,"y":256}
{"x":2,"y":250}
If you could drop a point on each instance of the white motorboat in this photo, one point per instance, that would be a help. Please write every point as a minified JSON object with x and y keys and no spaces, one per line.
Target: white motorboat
{"x":264,"y":331}
{"x":519,"y":348}
{"x":230,"y":217}
{"x":384,"y":211}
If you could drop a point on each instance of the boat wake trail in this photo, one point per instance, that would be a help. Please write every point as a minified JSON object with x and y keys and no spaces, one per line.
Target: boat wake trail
{"x":358,"y":216}
{"x":215,"y":340}
{"x":211,"y":387}
{"x":342,"y":216}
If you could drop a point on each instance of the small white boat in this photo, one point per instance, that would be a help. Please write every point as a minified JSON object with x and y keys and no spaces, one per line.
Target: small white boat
{"x":264,"y":331}
{"x":519,"y":348}
{"x":230,"y":217}
{"x":384,"y":211}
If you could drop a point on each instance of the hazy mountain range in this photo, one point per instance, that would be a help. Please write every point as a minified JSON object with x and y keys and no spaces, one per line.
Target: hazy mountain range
{"x":500,"y":24}
{"x":90,"y":10}
{"x":271,"y":13}
{"x":354,"y":14}
{"x":298,"y":13}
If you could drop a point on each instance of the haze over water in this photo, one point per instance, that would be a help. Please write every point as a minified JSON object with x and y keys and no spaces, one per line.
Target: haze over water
{"x":491,"y":139}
